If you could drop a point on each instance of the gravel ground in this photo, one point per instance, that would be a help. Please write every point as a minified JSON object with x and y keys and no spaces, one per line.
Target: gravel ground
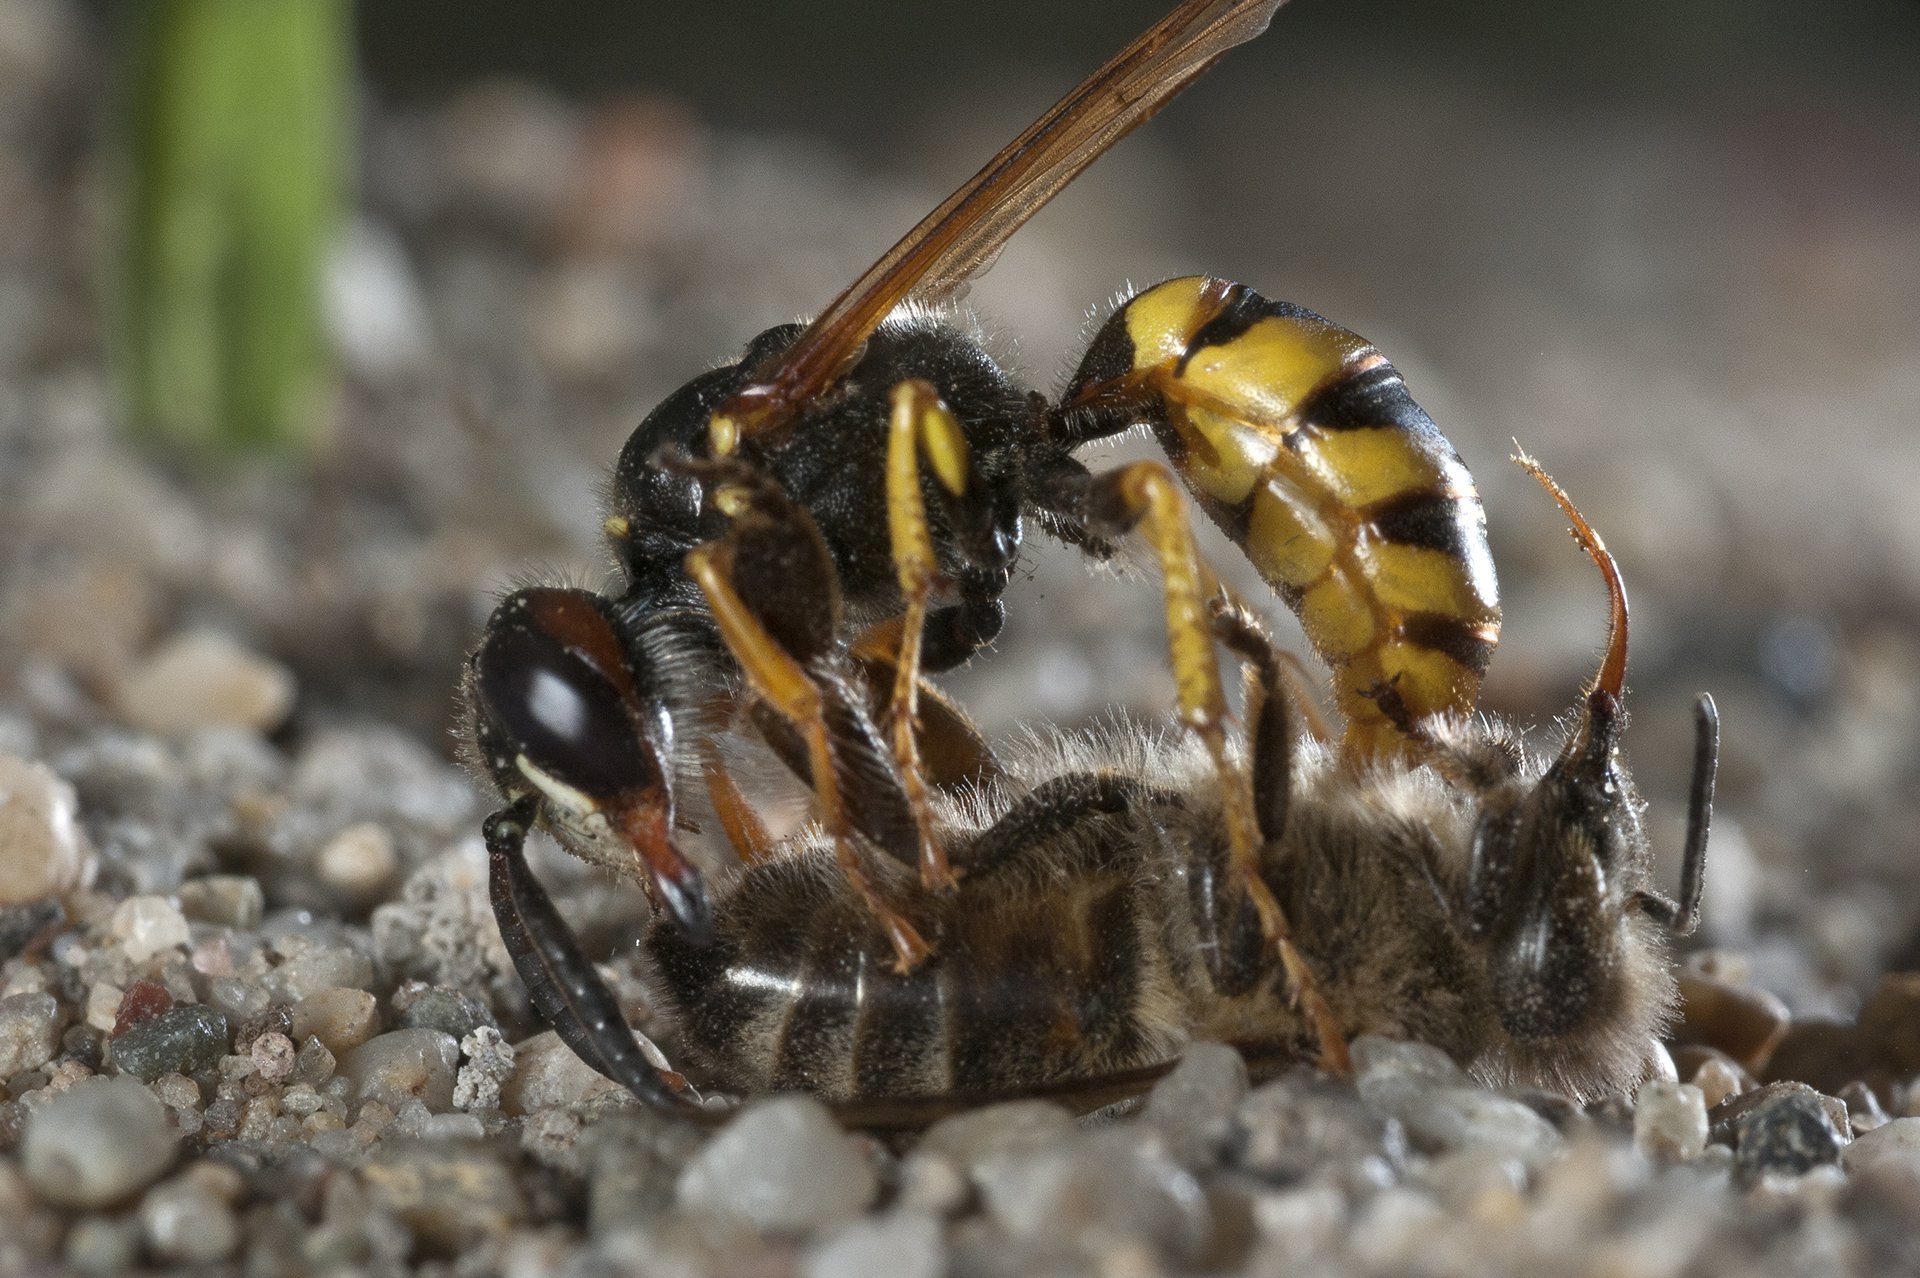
{"x":255,"y":1016}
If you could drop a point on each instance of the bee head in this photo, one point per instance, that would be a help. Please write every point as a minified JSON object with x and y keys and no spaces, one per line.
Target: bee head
{"x":1559,"y":882}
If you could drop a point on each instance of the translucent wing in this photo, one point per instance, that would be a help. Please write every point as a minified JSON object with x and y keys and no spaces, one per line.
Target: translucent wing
{"x":961,"y":237}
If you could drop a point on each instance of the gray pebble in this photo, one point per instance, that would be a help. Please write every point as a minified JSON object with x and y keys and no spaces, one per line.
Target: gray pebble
{"x":103,"y":1245}
{"x":408,"y":1064}
{"x":1448,"y":1118}
{"x":451,"y":1194}
{"x":29,"y":1032}
{"x":1288,"y":1128}
{"x":97,"y":1143}
{"x":315,"y":962}
{"x":1194,"y":1105}
{"x":1113,"y":1188}
{"x":900,"y":1245}
{"x":447,"y":1010}
{"x":183,"y":1041}
{"x":489,"y":1063}
{"x":1791,"y":1132}
{"x":1864,"y":1112}
{"x":21,"y":925}
{"x":783,"y":1164}
{"x":1009,"y":1128}
{"x":632,"y":1159}
{"x":1384,"y":1062}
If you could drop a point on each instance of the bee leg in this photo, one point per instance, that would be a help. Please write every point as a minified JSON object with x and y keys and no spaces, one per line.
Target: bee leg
{"x":744,"y":828}
{"x":559,"y":977}
{"x":1269,"y":711}
{"x":1682,"y":916}
{"x":952,"y":751}
{"x":786,"y":686}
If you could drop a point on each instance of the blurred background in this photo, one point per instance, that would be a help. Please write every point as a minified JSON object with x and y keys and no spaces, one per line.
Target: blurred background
{"x":1671,"y":248}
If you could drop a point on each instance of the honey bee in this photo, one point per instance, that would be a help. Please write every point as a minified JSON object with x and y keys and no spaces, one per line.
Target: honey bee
{"x":804,"y":533}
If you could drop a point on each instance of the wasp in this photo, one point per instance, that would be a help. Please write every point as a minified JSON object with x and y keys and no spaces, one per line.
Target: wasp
{"x":805,"y":533}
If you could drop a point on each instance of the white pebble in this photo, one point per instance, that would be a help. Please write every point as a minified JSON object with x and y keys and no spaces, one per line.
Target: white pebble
{"x":1670,"y":1121}
{"x":546,"y":1072}
{"x":42,"y":852}
{"x":186,"y":1224}
{"x":201,"y":679}
{"x":360,"y":860}
{"x":97,"y":1143}
{"x":341,"y":1018}
{"x":147,"y":925}
{"x":783,"y":1164}
{"x":405,"y":1065}
{"x":1895,"y":1141}
{"x":902,"y":1245}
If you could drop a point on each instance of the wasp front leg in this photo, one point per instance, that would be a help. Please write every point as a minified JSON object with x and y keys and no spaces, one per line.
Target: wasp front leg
{"x":771,"y":588}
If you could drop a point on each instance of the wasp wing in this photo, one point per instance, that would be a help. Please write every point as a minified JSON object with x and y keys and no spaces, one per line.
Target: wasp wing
{"x":960,"y":238}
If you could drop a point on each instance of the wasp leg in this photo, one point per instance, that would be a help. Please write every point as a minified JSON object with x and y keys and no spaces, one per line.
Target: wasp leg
{"x":1146,"y":496}
{"x":919,"y":427}
{"x":953,"y":752}
{"x":559,"y":977}
{"x":786,"y":686}
{"x":1269,"y":711}
{"x":744,"y":828}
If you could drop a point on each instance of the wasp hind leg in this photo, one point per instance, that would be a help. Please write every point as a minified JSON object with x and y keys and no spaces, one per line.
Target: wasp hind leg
{"x":560,"y":979}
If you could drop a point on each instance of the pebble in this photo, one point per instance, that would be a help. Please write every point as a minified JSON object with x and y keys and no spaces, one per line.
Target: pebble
{"x":1717,"y":1075}
{"x":546,"y":1072}
{"x":140,"y":1002}
{"x":1890,"y":1022}
{"x":313,"y":1064}
{"x":489,"y":1063}
{"x":1108,"y":1189}
{"x":1744,"y":1021}
{"x":1448,"y":1118}
{"x":318,"y":960}
{"x":450,"y":1193}
{"x":273,"y":1056}
{"x":186,"y":1222}
{"x":1863,"y":1108}
{"x":103,"y":1245}
{"x":1195,"y":1104}
{"x":97,"y":1143}
{"x":182,"y":1041}
{"x":1896,"y":1141}
{"x":1670,"y":1121}
{"x":1825,"y":1054}
{"x":229,"y":900}
{"x":29,"y":1032}
{"x":781,"y":1165}
{"x":42,"y":851}
{"x":1793,"y":1131}
{"x":404,"y":1065}
{"x":932,"y":1183}
{"x":359,"y":861}
{"x":450,"y":1011}
{"x":24,"y":925}
{"x":148,"y":925}
{"x":902,"y":1244}
{"x":342,"y":1019}
{"x":203,"y":679}
{"x":632,"y":1160}
{"x":998,"y":1131}
{"x":1288,"y":1128}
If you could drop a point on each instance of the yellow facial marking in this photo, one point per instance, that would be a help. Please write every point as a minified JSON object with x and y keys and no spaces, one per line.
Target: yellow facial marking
{"x":723,"y":435}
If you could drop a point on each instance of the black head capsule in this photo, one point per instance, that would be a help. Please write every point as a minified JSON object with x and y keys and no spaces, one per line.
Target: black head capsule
{"x":564,"y":715}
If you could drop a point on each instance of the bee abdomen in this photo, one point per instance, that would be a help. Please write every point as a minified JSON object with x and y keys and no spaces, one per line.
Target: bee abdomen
{"x":1300,"y":440}
{"x":1025,"y":988}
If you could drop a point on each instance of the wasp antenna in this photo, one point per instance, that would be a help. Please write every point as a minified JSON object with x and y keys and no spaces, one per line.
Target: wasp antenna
{"x":1612,"y":678}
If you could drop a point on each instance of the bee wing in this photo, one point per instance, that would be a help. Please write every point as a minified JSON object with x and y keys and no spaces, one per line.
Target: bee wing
{"x":960,"y":238}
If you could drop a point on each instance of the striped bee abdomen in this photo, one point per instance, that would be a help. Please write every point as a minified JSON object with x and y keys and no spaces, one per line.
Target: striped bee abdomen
{"x":799,"y":993}
{"x":1301,"y":442}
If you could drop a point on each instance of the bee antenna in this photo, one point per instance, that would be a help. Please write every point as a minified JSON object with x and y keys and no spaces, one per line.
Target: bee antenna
{"x":1612,"y":677}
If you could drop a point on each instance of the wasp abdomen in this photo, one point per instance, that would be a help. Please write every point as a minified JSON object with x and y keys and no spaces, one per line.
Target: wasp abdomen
{"x":798,"y":993}
{"x":1300,"y":440}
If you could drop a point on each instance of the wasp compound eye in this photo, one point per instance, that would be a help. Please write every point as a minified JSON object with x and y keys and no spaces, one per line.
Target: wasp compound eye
{"x":545,"y":680}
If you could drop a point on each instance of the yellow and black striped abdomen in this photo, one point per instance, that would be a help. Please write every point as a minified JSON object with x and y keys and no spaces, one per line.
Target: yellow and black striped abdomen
{"x":1301,"y":442}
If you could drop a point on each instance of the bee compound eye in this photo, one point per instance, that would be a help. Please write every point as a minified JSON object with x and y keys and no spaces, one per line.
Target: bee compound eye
{"x":552,"y":680}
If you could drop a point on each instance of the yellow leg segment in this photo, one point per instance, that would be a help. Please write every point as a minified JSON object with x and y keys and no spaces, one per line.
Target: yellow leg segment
{"x":743,"y":826}
{"x":1149,"y":491}
{"x":919,"y":426}
{"x":786,"y":686}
